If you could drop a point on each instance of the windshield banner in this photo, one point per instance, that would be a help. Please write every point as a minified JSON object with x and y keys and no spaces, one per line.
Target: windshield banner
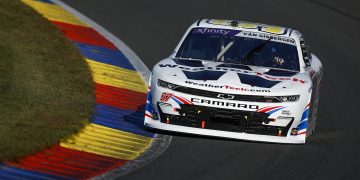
{"x":239,"y":33}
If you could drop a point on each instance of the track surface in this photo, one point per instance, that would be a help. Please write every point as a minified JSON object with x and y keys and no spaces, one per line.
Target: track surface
{"x":153,"y":28}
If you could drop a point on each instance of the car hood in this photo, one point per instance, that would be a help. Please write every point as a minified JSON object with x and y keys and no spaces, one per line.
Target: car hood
{"x":209,"y":74}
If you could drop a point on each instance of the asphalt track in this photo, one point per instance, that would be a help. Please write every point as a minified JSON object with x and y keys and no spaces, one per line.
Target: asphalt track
{"x":153,"y":28}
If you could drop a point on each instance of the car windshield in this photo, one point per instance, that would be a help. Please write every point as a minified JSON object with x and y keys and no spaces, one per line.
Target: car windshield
{"x":241,"y":47}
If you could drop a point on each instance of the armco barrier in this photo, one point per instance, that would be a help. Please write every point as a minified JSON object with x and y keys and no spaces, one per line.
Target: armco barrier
{"x":115,"y":134}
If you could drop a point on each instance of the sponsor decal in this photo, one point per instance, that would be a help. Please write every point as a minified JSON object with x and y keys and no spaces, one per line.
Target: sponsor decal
{"x":286,"y":112}
{"x":180,"y":100}
{"x":267,"y":36}
{"x":246,"y":89}
{"x":165,"y":97}
{"x":224,"y":104}
{"x":215,"y":31}
{"x":226,"y":87}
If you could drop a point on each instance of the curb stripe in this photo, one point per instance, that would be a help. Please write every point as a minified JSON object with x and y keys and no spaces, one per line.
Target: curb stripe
{"x":104,"y":147}
{"x":123,"y":120}
{"x":54,"y":12}
{"x":82,"y":34}
{"x":119,"y":97}
{"x":7,"y":172}
{"x":65,"y":158}
{"x":117,"y":77}
{"x":104,"y":55}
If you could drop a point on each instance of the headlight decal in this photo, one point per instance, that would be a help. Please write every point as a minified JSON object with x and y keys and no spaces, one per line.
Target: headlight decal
{"x":165,"y":84}
{"x":292,"y":98}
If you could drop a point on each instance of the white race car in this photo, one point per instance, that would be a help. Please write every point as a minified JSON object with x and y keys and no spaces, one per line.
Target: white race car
{"x":239,"y":80}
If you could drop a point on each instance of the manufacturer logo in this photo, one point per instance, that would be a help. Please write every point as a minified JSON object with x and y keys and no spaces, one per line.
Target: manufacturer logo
{"x":225,"y":96}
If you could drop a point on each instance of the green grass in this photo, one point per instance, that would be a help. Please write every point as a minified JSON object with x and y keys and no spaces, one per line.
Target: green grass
{"x":46,"y":90}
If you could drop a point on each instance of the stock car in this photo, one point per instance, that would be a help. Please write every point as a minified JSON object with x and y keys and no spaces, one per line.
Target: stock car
{"x":237,"y":79}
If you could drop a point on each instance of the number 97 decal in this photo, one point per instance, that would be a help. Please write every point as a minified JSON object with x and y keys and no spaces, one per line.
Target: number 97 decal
{"x":165,"y":97}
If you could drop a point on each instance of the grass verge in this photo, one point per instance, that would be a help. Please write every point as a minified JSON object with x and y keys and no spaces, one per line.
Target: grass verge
{"x":46,"y":90}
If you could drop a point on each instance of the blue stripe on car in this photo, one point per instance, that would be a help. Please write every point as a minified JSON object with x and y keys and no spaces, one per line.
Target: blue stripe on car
{"x":256,"y":81}
{"x":204,"y":75}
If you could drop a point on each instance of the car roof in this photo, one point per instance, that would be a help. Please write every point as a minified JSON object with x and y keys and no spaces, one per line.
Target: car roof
{"x":249,"y":26}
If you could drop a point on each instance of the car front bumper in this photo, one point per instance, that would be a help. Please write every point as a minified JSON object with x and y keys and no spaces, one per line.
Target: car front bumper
{"x":299,"y":139}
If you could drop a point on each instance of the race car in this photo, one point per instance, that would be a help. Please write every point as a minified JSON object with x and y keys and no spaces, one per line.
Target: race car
{"x":237,"y":79}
